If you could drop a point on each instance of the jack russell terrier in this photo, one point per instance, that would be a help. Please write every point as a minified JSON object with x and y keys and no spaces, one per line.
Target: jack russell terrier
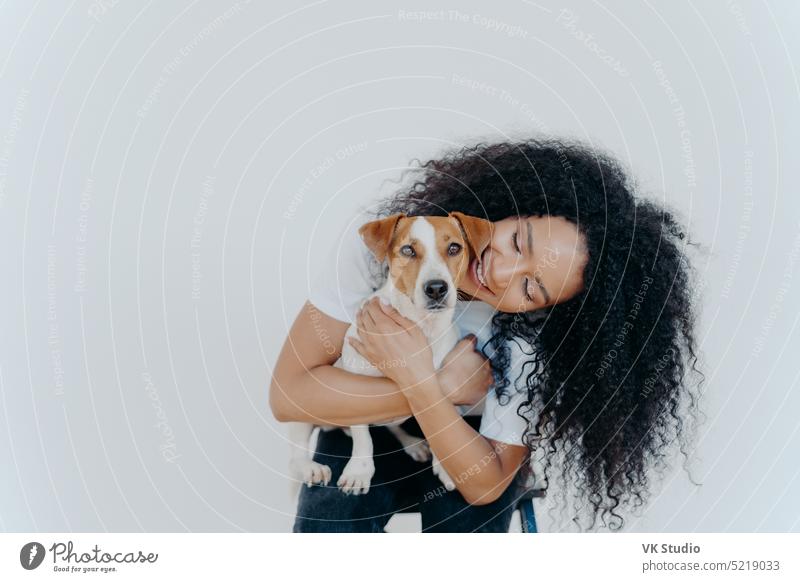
{"x":427,"y":258}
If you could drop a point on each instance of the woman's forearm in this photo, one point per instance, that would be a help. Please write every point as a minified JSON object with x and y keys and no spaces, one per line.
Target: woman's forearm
{"x":330,"y":396}
{"x":474,"y":463}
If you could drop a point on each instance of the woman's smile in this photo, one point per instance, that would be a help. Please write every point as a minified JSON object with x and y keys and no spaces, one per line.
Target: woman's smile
{"x":477,"y":270}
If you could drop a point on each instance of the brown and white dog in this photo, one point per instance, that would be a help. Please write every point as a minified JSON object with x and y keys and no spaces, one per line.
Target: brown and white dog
{"x":427,"y":258}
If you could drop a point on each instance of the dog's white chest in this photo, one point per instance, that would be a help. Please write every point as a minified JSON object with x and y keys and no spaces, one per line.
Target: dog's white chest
{"x":441,"y":332}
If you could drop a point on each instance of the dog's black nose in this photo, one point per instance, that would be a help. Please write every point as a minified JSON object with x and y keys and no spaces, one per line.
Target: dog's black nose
{"x":436,"y":289}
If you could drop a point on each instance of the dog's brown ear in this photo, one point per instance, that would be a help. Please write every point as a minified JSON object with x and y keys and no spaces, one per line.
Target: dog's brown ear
{"x":377,"y":235}
{"x":477,"y":231}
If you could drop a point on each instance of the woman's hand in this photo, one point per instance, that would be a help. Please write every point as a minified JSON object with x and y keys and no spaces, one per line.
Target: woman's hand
{"x":465,"y":374}
{"x":393,"y":344}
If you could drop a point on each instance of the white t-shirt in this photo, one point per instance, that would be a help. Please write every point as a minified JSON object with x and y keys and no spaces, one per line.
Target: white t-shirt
{"x":351,"y":274}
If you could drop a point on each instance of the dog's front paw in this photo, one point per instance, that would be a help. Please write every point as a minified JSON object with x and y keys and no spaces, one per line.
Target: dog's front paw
{"x":357,"y":475}
{"x":439,"y":471}
{"x":309,"y":472}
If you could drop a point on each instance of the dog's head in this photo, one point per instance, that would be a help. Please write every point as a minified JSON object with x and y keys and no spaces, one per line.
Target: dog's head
{"x":427,"y":255}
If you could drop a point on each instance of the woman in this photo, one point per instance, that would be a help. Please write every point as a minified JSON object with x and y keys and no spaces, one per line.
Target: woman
{"x":582,"y":305}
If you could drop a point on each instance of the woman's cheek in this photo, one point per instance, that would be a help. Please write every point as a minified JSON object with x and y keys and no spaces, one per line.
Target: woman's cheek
{"x":511,"y":304}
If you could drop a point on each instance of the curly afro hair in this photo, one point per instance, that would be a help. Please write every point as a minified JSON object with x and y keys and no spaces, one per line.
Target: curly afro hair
{"x":608,"y":376}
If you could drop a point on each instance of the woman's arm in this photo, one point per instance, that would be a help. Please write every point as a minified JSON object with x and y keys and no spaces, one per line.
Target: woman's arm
{"x":305,"y":386}
{"x":481,"y":468}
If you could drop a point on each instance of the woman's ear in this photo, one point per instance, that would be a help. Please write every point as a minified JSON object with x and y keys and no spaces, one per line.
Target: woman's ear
{"x":377,"y":235}
{"x":477,"y":231}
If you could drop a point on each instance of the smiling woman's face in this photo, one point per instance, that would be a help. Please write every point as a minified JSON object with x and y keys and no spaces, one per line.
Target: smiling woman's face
{"x":530,"y":263}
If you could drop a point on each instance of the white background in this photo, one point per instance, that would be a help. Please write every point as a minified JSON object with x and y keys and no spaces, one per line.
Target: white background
{"x":165,"y":196}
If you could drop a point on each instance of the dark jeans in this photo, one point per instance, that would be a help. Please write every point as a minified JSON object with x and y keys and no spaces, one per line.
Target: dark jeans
{"x":400,"y":483}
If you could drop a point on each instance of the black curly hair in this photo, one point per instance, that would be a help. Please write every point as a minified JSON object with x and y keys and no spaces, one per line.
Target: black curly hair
{"x":609,"y":375}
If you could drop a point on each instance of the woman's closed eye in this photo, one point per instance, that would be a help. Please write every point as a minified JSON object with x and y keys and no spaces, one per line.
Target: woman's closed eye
{"x":526,"y":281}
{"x":525,"y":287}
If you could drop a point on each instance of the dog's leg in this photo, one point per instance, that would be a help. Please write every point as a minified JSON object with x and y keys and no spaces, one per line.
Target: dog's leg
{"x":439,"y":471}
{"x":301,"y":463}
{"x":358,"y":472}
{"x":416,"y":447}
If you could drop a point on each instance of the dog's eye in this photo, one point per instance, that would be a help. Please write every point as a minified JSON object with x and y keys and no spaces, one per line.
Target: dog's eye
{"x":407,"y":251}
{"x":453,"y":249}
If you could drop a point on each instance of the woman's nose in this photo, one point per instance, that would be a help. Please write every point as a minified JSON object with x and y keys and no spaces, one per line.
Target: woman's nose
{"x":504,"y":270}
